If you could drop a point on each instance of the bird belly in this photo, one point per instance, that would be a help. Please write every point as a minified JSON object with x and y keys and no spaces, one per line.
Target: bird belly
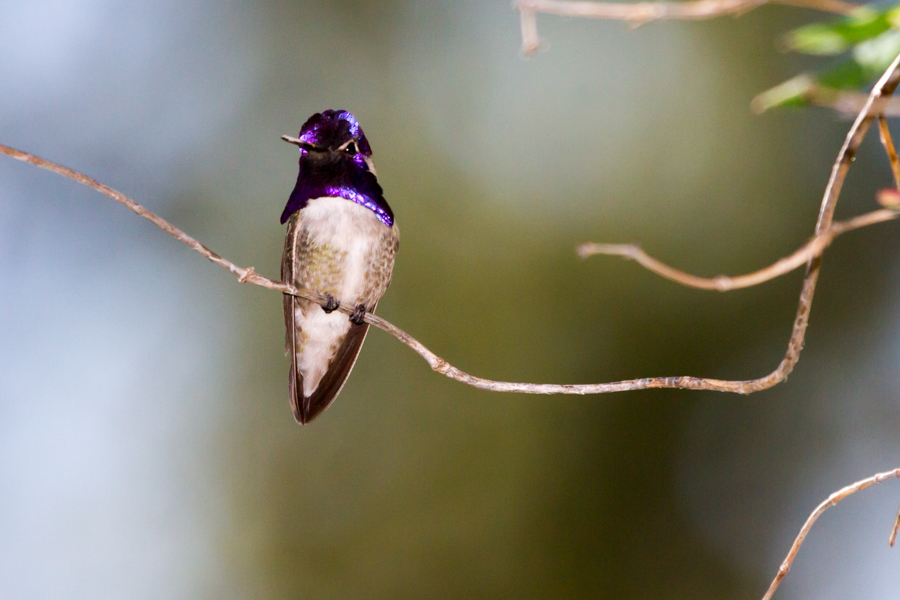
{"x":339,"y":240}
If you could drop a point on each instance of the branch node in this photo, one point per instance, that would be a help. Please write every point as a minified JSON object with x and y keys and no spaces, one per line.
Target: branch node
{"x":247,"y":274}
{"x":723,"y":283}
{"x":441,"y":366}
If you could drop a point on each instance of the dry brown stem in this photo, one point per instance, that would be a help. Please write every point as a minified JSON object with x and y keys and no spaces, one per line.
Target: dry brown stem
{"x":638,"y":13}
{"x":888,"y":143}
{"x":893,"y":537}
{"x":884,"y":88}
{"x":828,"y":503}
{"x":812,"y":249}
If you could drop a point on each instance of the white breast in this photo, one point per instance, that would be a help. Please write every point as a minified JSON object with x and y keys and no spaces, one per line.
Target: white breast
{"x":351,"y":229}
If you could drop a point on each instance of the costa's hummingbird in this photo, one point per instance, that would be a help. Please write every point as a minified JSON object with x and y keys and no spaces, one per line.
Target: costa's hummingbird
{"x":341,"y":241}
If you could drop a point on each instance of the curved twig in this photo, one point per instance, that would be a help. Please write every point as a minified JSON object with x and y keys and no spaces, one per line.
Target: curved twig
{"x":812,"y":249}
{"x":885,"y":87}
{"x":638,"y":13}
{"x":248,"y":275}
{"x":828,"y":503}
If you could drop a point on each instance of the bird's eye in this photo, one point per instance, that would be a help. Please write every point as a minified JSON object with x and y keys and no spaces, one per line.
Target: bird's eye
{"x":351,"y":149}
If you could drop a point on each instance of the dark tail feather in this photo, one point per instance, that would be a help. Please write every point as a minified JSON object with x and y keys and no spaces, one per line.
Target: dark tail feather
{"x":307,"y":408}
{"x":334,"y":379}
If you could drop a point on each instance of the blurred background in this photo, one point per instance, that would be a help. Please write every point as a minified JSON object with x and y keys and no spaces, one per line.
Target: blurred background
{"x":146,"y":445}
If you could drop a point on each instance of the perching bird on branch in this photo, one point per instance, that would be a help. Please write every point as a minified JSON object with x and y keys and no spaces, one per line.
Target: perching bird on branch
{"x":341,"y":241}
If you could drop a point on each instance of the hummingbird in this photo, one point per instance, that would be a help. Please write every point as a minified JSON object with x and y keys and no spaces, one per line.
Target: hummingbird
{"x":341,"y":241}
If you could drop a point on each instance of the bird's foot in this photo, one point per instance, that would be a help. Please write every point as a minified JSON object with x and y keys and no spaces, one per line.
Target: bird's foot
{"x":331,"y":304}
{"x":359,"y":315}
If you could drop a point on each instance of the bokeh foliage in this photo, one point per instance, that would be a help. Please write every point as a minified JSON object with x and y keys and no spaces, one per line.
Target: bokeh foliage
{"x":863,"y":44}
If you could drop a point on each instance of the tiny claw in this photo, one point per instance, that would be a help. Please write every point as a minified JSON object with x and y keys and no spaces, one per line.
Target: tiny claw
{"x":331,"y":304}
{"x":359,"y":315}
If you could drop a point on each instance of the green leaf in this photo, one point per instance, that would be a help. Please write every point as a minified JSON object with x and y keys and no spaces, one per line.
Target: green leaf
{"x":839,"y":36}
{"x":871,"y":37}
{"x":869,"y":60}
{"x":792,"y":92}
{"x":878,"y":53}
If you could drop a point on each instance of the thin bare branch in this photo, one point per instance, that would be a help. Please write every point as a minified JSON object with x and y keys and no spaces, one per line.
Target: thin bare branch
{"x":689,"y":10}
{"x":248,"y":275}
{"x":885,"y":87}
{"x":888,"y":143}
{"x":828,"y":503}
{"x":893,"y":536}
{"x":638,"y":13}
{"x":528,"y":23}
{"x":812,"y":249}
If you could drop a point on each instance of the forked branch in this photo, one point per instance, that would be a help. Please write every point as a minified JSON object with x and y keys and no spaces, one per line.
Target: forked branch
{"x":889,"y":198}
{"x":884,"y":88}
